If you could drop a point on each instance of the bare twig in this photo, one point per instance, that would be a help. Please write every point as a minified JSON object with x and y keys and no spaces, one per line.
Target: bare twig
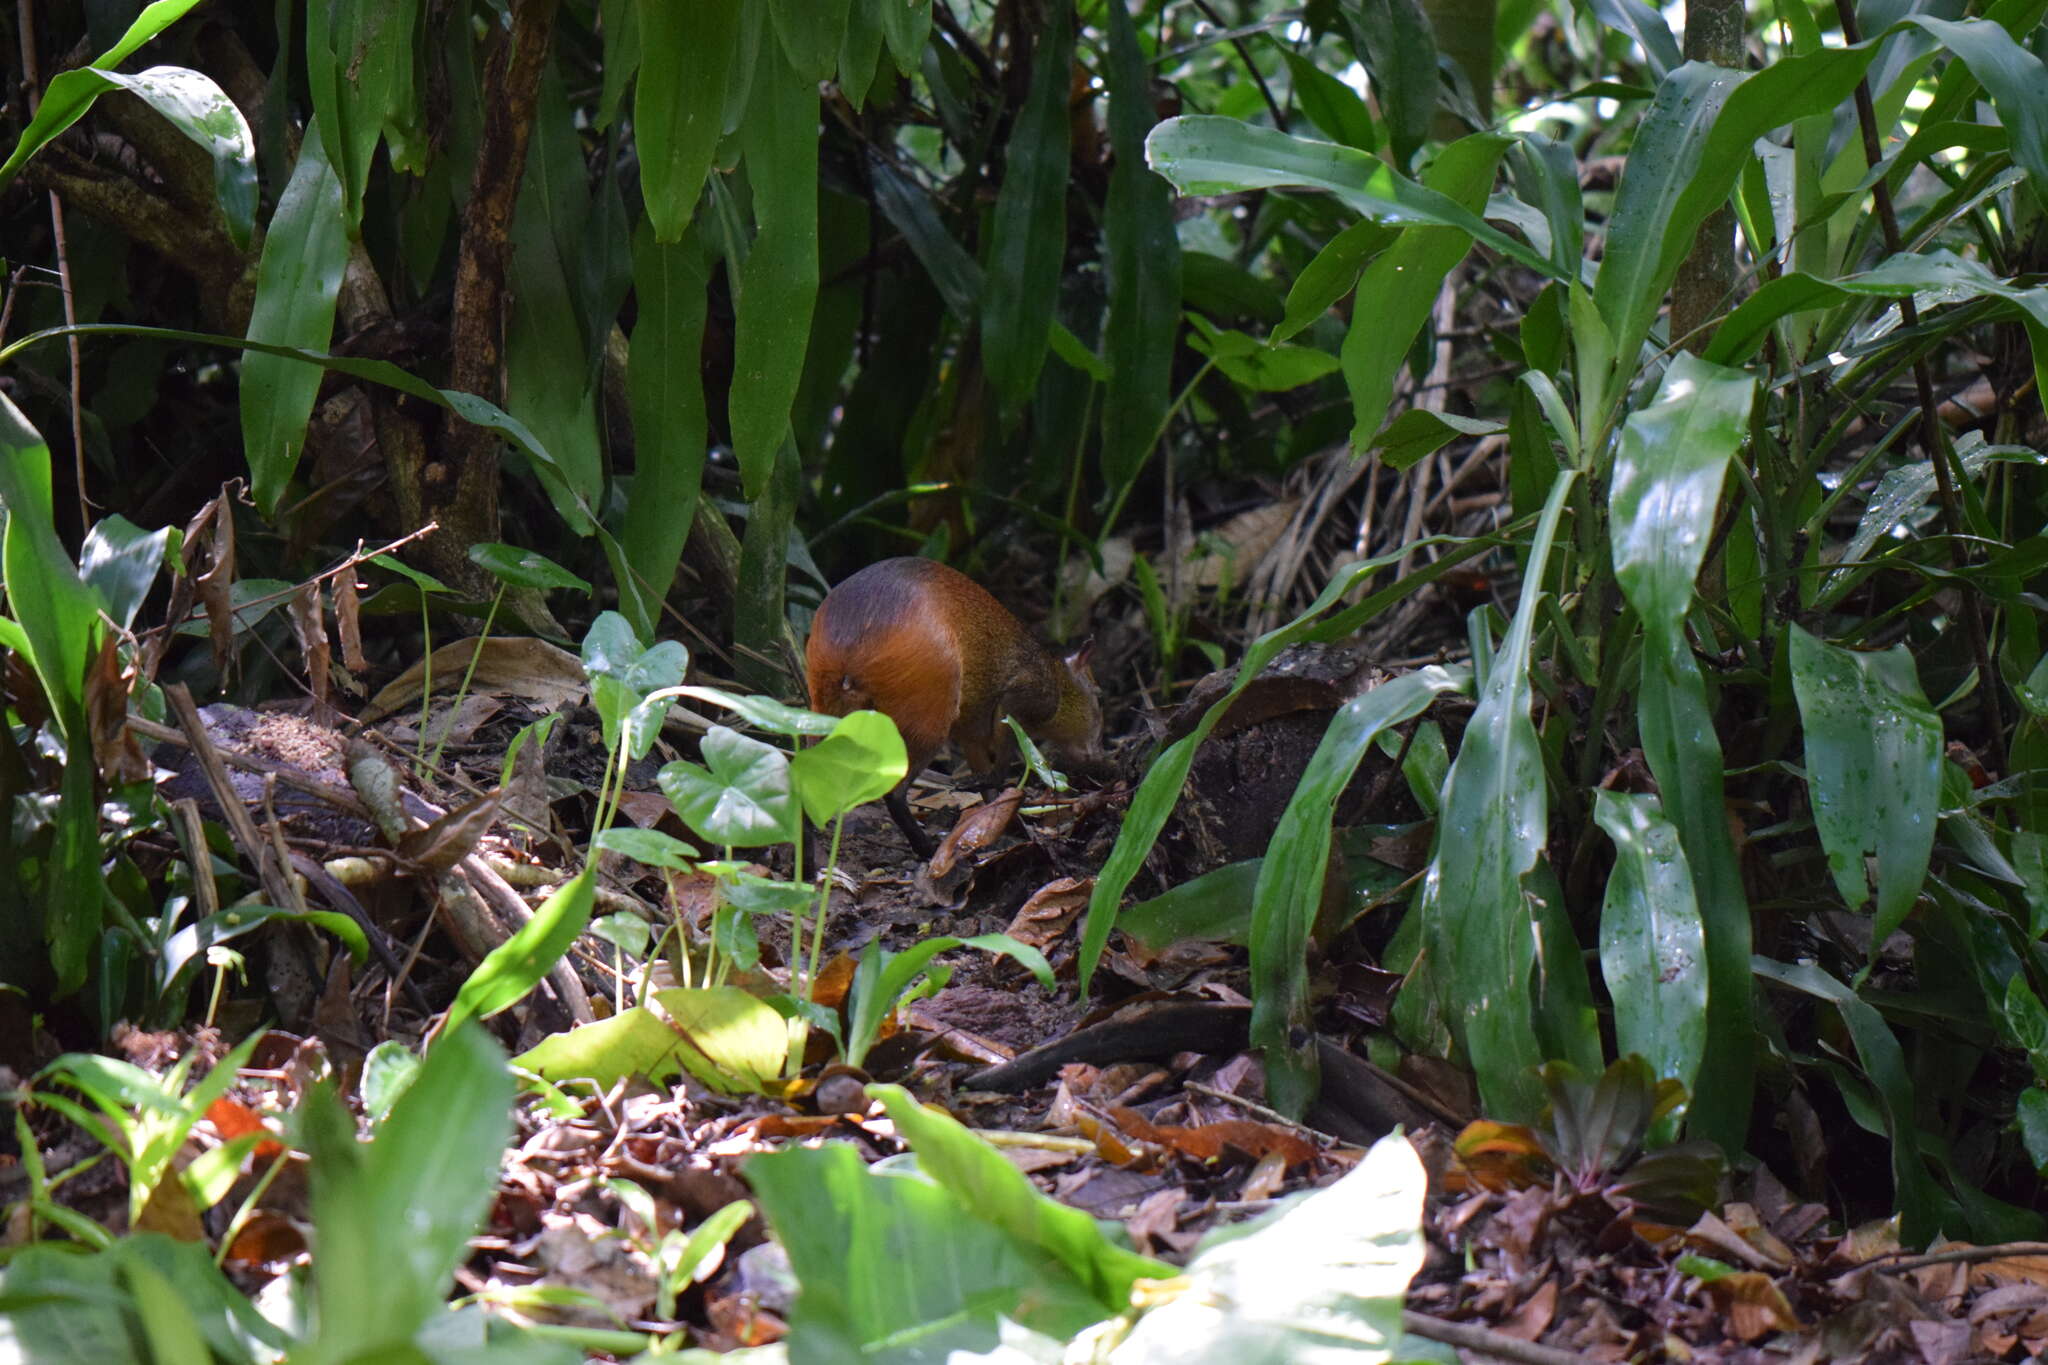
{"x":1471,"y":1336}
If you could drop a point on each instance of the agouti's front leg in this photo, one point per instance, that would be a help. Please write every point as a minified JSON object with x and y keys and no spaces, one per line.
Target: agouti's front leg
{"x":898,"y":803}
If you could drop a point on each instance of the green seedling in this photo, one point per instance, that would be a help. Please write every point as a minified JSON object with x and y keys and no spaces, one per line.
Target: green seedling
{"x":513,"y":568}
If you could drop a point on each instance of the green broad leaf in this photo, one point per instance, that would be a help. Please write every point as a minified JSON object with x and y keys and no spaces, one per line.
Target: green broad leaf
{"x":305,"y":252}
{"x":862,"y":760}
{"x":2027,"y":1021}
{"x":883,"y":980}
{"x":811,"y":32}
{"x":778,"y":285}
{"x":1906,"y":489}
{"x":1547,"y":176}
{"x":430,"y":1170}
{"x":665,"y":390}
{"x":1207,"y":154}
{"x":979,"y":1177}
{"x":59,"y":1305}
{"x":1394,"y":41}
{"x":1923,"y":1208}
{"x":860,"y":52}
{"x":1873,"y":769}
{"x":906,"y":26}
{"x":1256,"y":365}
{"x":953,"y":272}
{"x":741,"y":798}
{"x":70,"y":93}
{"x":2033,"y":1122}
{"x":419,"y":578}
{"x":1142,"y":262}
{"x":55,"y":608}
{"x":1493,"y":826}
{"x":765,"y":712}
{"x":516,"y":966}
{"x":620,"y":21}
{"x":1070,"y":348}
{"x":1332,"y":274}
{"x":1419,"y":433}
{"x":120,"y":561}
{"x":190,"y":102}
{"x":517,"y":568}
{"x":552,"y":345}
{"x":388,"y":1072}
{"x":1323,"y":1278}
{"x":1215,"y":907}
{"x":886,"y":1258}
{"x":2016,"y":80}
{"x":649,"y":847}
{"x":1332,"y":106}
{"x":1226,"y":290}
{"x":1029,"y":241}
{"x":721,"y":1035}
{"x":1289,"y":891}
{"x":686,"y":55}
{"x":1688,"y":153}
{"x":1400,"y":287}
{"x":359,"y":69}
{"x":1652,"y":944}
{"x":1663,"y":500}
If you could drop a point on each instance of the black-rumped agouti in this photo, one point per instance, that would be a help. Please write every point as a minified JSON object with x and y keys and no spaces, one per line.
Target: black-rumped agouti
{"x":929,"y":648}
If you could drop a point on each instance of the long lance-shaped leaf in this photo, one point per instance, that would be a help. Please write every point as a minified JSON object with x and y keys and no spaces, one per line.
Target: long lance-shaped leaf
{"x":1030,"y":236}
{"x":297,"y":282}
{"x":1398,"y":291}
{"x":1481,"y":923}
{"x":1290,"y":885}
{"x":1210,"y":154}
{"x":1142,"y":262}
{"x":1873,"y":768}
{"x":1667,"y":486}
{"x":71,"y":93}
{"x":2016,"y":80}
{"x":779,"y":282}
{"x":665,"y":385}
{"x":1652,"y":944}
{"x":1940,"y":272}
{"x":686,"y":55}
{"x":359,"y":65}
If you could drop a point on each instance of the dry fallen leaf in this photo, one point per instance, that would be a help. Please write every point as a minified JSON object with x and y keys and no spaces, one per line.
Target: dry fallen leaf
{"x":1045,"y":918}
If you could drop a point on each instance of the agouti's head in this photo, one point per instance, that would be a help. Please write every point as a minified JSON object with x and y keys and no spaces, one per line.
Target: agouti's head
{"x":1076,"y":727}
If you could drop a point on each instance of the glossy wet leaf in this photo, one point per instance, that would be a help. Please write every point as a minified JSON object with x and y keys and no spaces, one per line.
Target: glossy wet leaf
{"x":1652,"y":945}
{"x":120,"y":561}
{"x":521,"y":568}
{"x":740,"y":798}
{"x":1494,"y":823}
{"x":1873,"y":769}
{"x":1663,"y":501}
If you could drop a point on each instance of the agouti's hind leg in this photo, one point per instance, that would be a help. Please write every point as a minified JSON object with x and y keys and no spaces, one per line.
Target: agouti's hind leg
{"x":899,"y":808}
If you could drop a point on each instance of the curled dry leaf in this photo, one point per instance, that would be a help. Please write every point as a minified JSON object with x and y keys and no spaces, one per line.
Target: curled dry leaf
{"x":1753,"y":1304}
{"x":1212,"y":1141}
{"x":976,"y":830}
{"x":1045,"y":919}
{"x":348,"y":621}
{"x":107,"y":686}
{"x":212,"y":534}
{"x":441,"y":845}
{"x":309,"y":627}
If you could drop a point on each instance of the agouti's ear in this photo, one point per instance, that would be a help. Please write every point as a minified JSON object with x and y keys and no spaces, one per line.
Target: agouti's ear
{"x":1082,"y":660}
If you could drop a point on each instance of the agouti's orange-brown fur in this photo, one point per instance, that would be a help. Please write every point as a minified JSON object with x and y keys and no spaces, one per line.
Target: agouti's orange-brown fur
{"x":929,"y":648}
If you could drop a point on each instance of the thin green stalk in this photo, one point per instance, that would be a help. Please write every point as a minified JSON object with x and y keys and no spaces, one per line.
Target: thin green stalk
{"x":475,"y":655}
